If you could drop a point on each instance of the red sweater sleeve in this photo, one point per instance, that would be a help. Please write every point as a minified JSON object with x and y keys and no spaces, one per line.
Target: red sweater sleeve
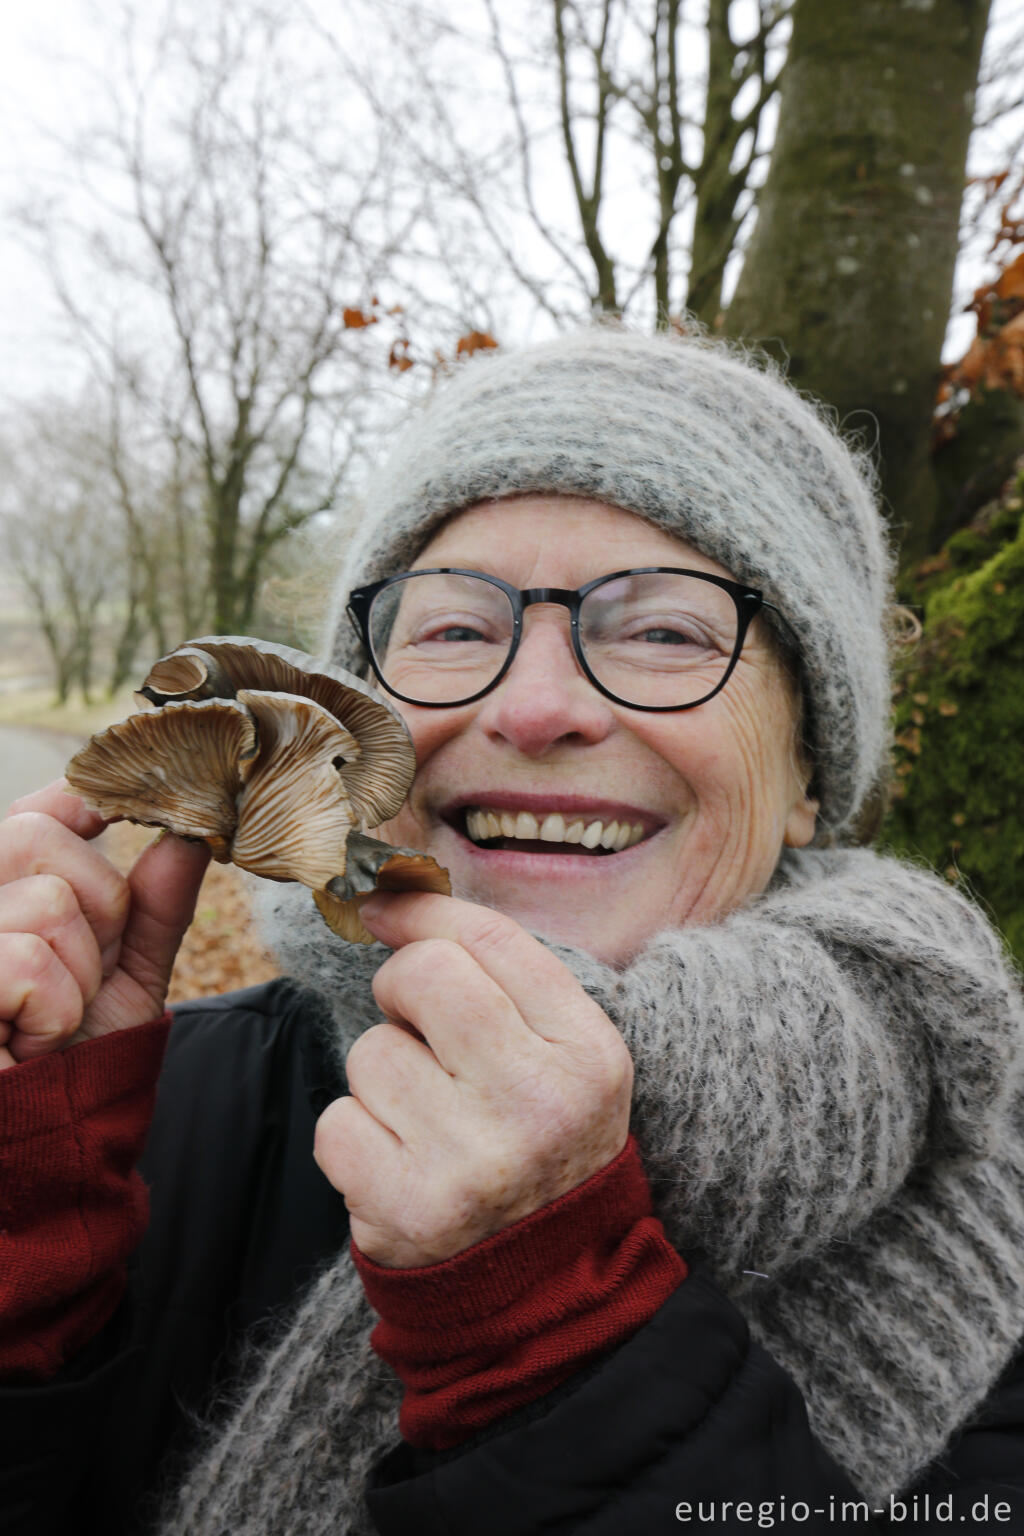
{"x":72,"y":1207}
{"x":508,"y":1320}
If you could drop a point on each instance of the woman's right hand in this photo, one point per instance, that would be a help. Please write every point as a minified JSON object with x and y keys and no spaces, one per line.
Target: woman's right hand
{"x":83,"y":949}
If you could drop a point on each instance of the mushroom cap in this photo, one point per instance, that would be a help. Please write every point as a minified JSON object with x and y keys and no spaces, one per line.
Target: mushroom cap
{"x":371,"y":865}
{"x":342,"y":917}
{"x":186,"y":674}
{"x":179,"y":767}
{"x":377,"y":780}
{"x":294,"y":812}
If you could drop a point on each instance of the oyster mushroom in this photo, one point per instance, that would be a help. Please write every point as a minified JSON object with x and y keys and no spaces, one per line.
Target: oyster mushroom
{"x":277,"y":766}
{"x":221,"y":664}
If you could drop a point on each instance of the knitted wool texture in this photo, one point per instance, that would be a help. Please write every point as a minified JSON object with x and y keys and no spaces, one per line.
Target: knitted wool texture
{"x":828,"y":1090}
{"x":702,"y":444}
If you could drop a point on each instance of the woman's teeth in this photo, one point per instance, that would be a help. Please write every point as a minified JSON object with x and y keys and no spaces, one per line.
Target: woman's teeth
{"x":484,"y":826}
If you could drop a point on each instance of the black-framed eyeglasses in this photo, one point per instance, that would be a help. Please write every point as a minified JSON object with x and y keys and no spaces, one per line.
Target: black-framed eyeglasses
{"x":652,"y":638}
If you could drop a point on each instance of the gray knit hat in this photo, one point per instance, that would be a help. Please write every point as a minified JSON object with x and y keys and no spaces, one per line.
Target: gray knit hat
{"x":702,"y":443}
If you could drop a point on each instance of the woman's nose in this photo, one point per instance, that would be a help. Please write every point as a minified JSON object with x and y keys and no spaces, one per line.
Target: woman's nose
{"x":545,"y":699}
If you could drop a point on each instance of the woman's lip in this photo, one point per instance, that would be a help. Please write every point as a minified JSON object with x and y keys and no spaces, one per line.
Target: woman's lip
{"x":574,"y":807}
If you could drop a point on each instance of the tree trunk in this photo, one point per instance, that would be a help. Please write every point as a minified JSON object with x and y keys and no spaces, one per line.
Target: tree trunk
{"x":61,"y":681}
{"x":225,"y":518}
{"x":127,"y":646}
{"x":849,"y":272}
{"x":717,"y":186}
{"x":63,"y":661}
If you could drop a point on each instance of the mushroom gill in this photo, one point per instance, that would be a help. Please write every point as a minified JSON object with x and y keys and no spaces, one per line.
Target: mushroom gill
{"x":294,"y":812}
{"x":184,"y":773}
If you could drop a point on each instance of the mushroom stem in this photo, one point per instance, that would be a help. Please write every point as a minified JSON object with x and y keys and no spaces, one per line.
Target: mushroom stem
{"x":365,"y":857}
{"x":371,"y":865}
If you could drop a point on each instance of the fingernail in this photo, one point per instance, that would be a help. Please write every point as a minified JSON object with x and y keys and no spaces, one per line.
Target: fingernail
{"x":374,"y":906}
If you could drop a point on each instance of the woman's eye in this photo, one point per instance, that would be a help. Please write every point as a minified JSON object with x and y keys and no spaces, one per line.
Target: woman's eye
{"x":673,"y":632}
{"x":451,"y":632}
{"x":664,"y":636}
{"x":457,"y":632}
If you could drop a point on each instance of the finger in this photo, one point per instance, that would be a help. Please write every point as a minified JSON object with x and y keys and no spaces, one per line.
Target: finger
{"x":164,"y":884}
{"x":39,"y":997}
{"x":469,"y":1021}
{"x":400,"y":1082}
{"x":36,"y":843}
{"x":56,"y":800}
{"x":46,"y":905}
{"x":545,"y":992}
{"x":353,"y":1150}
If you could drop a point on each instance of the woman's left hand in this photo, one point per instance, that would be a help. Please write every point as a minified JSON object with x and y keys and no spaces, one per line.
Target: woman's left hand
{"x":494,"y":1084}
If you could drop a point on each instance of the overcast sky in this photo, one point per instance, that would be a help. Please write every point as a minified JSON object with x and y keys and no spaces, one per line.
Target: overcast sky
{"x":35,"y":102}
{"x":31,"y":103}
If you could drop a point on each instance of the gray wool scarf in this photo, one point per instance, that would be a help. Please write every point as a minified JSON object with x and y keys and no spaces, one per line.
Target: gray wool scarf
{"x":828,"y":1099}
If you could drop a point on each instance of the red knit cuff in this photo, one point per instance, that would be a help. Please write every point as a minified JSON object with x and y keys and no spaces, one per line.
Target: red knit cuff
{"x":72,"y":1208}
{"x":503,"y":1323}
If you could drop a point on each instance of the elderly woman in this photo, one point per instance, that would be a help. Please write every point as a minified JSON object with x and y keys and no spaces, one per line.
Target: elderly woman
{"x":630,"y":597}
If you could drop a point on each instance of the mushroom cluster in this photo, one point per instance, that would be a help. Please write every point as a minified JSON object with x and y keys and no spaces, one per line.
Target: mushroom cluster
{"x":279,"y":766}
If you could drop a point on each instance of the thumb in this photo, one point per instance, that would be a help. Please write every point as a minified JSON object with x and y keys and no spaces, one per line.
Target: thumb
{"x":164,"y":884}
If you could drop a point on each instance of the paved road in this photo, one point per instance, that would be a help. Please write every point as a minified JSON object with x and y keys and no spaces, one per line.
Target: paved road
{"x":29,"y":759}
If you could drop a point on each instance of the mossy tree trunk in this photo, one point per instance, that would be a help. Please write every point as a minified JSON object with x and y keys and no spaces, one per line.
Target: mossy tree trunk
{"x":959,"y":740}
{"x":849,"y":271}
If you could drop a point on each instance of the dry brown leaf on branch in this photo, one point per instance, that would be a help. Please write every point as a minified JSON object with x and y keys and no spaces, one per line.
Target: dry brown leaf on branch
{"x":1011,"y":215}
{"x":995,"y":303}
{"x":992,"y":362}
{"x":991,"y":184}
{"x":474,"y":341}
{"x":358,"y":319}
{"x":995,"y":358}
{"x":398,"y":357}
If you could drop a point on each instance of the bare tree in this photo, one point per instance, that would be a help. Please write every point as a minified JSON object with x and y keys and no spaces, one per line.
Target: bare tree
{"x":582,"y":140}
{"x":596,"y":54}
{"x":215,"y":249}
{"x":59,"y":542}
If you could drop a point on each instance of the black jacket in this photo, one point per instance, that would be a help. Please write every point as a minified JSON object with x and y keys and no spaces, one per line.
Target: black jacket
{"x":688,"y":1425}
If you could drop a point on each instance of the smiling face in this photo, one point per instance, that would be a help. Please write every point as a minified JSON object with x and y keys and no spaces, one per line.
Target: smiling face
{"x":589,"y":822}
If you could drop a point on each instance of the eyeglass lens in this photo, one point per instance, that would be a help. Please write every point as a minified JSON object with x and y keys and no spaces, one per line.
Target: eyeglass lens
{"x":658,"y":638}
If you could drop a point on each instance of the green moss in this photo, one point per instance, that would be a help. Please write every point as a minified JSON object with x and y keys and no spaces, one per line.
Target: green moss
{"x":959,"y":714}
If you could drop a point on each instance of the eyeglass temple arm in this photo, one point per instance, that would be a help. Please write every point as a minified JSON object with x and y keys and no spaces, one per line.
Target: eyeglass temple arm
{"x":787,"y":626}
